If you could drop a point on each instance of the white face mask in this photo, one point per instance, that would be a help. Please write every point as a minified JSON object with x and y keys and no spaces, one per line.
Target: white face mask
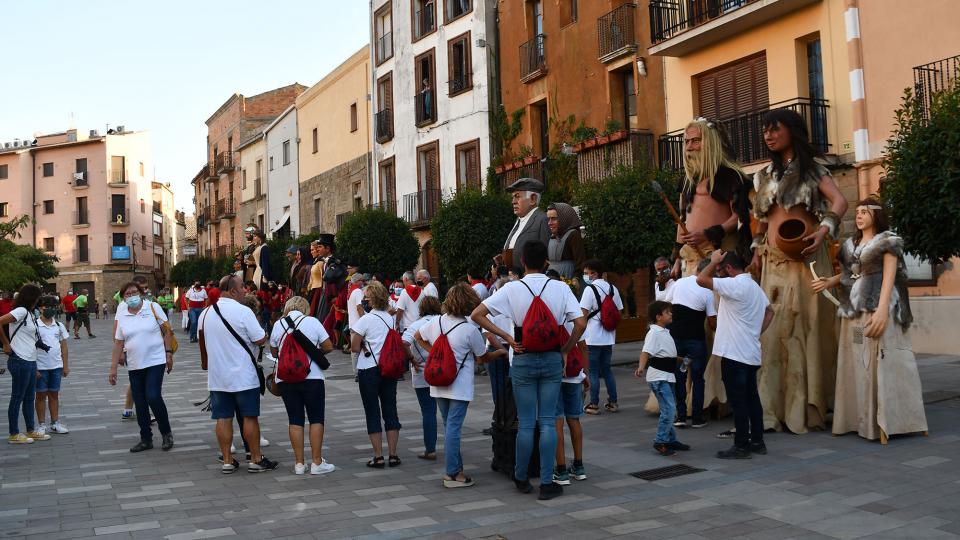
{"x":587,"y":279}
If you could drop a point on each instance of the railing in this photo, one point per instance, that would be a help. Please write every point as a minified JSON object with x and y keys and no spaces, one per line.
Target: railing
{"x":387,"y":206}
{"x":157,"y":207}
{"x":225,"y":250}
{"x":424,"y":23}
{"x":226,"y":208}
{"x":384,"y":121}
{"x":117,"y":176}
{"x":384,"y":47}
{"x":669,"y":18}
{"x":206,"y":215}
{"x":932,"y":78}
{"x":81,"y":255}
{"x":420,"y":207}
{"x":341,"y":218}
{"x":535,"y":170}
{"x":82,"y":217}
{"x":456,"y":8}
{"x":533,"y":58}
{"x":459,"y":82}
{"x":745,"y":133}
{"x":598,"y":162}
{"x":79,"y":179}
{"x":119,"y":216}
{"x":426,"y":108}
{"x":223,"y":162}
{"x":616,"y":34}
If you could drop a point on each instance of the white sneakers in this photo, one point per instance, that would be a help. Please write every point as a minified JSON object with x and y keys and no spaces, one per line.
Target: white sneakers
{"x":264,"y":442}
{"x":59,"y":428}
{"x":299,"y":469}
{"x":316,"y":469}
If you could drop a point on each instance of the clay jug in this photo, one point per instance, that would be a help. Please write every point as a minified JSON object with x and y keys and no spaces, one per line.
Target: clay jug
{"x":790,"y":236}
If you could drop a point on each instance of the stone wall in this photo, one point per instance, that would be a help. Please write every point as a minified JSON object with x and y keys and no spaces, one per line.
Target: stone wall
{"x":334,"y":189}
{"x":106,"y":279}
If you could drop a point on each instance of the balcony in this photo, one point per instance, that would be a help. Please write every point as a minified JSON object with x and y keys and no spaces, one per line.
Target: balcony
{"x":341,"y":218}
{"x":384,"y":122}
{"x":595,"y":163}
{"x":533,"y":168}
{"x":420,"y":207}
{"x":423,"y":22}
{"x":459,"y":82}
{"x":157,"y":209}
{"x":745,"y":132}
{"x":226,"y":208}
{"x":206,"y":216}
{"x":81,"y":255}
{"x":223,"y":162}
{"x":384,"y":47}
{"x":389,"y":207}
{"x":616,"y":33}
{"x":117,"y":177}
{"x":533,"y":58}
{"x":81,"y":218}
{"x":119,"y":217}
{"x":226,"y":250}
{"x":80,"y":180}
{"x":426,"y":109}
{"x":679,"y":27}
{"x":934,"y":77}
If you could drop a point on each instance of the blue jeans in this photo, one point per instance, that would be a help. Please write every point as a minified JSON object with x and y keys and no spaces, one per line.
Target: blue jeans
{"x":600,"y":356}
{"x":194,"y":318}
{"x":146,"y":385}
{"x":536,"y":381}
{"x":428,"y":410}
{"x":495,"y":368}
{"x":668,"y":411}
{"x":23,"y":394}
{"x":453,"y":412}
{"x":697,"y":351}
{"x":740,"y":381}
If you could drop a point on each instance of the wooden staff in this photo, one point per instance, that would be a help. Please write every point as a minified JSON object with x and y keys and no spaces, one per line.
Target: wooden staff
{"x":673,"y":212}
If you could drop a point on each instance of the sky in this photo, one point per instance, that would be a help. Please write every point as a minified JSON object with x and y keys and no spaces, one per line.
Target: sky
{"x":162,"y":66}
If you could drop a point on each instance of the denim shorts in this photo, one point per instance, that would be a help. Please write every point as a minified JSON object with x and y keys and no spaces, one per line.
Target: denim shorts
{"x":226,"y":404}
{"x":49,"y":380}
{"x":570,"y":400}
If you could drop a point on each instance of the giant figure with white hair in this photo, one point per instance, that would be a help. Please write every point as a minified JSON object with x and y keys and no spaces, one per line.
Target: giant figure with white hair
{"x":531,"y":224}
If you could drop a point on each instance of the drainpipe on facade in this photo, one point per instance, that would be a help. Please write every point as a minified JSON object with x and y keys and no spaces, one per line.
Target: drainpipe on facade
{"x":371,"y":158}
{"x":33,"y":197}
{"x":861,"y":138}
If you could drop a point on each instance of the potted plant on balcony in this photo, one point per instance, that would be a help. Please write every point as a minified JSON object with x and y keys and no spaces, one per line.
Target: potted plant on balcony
{"x":581,"y":135}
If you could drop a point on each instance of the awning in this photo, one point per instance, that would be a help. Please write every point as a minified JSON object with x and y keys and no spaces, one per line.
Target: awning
{"x":283,"y":221}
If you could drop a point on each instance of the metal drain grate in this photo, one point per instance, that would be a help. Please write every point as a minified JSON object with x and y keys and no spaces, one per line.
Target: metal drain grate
{"x":661,"y":473}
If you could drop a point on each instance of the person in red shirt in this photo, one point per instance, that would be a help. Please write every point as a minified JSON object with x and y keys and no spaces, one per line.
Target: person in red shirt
{"x":213,"y":293}
{"x":6,"y":306}
{"x":69,"y":309}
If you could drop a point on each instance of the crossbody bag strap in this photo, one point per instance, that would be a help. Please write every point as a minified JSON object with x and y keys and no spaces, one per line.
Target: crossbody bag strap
{"x":367,"y":345}
{"x":15,"y":330}
{"x":599,"y":301}
{"x":235,"y":335}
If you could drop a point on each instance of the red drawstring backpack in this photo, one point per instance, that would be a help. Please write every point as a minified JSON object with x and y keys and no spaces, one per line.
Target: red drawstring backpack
{"x":441,"y":368}
{"x":541,"y":333}
{"x":393,"y":358}
{"x":293,"y":364}
{"x":574,"y":358}
{"x":609,"y":314}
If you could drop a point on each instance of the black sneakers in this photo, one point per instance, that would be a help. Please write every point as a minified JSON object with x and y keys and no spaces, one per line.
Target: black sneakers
{"x":141,"y":446}
{"x":230,"y":468}
{"x":167,"y":442}
{"x":523,"y":486}
{"x":758,"y":448}
{"x":734,"y":453}
{"x":677,"y":445}
{"x":550,"y":491}
{"x":264,"y":465}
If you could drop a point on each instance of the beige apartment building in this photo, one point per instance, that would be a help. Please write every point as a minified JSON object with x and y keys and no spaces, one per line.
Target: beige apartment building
{"x":253,"y":181}
{"x":217,"y":187}
{"x":91,"y":198}
{"x":333,"y":125}
{"x":169,"y":230}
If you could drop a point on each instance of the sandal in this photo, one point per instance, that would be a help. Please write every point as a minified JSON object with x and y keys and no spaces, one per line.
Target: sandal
{"x":454,"y":483}
{"x":429,"y":456}
{"x":394,"y":461}
{"x":611,"y":406}
{"x":376,"y":462}
{"x":592,"y":408}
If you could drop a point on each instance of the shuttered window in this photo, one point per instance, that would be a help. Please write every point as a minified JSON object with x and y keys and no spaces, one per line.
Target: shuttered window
{"x":428,"y":166}
{"x":385,"y":92}
{"x":468,"y":164}
{"x":388,"y":183}
{"x":734,"y":89}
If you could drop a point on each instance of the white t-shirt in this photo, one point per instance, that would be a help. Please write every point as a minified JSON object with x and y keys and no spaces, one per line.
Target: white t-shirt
{"x":481,"y":291}
{"x":514,"y":299}
{"x":121,"y":309}
{"x":739,"y":319}
{"x":687,"y":293}
{"x":467,"y":344}
{"x":431,"y":290}
{"x":229,"y":368}
{"x":141,"y":336}
{"x":579,"y":377}
{"x":310,"y":327}
{"x":659,"y":344}
{"x":410,"y":307}
{"x":419,"y":354}
{"x":51,"y":335}
{"x":197,"y":296}
{"x":353,"y":303}
{"x":374,"y":333}
{"x":595,"y":334}
{"x":662,"y":295}
{"x":25,"y":340}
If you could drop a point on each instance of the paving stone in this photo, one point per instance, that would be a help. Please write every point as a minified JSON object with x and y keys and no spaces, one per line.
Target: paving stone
{"x":634,"y":526}
{"x":129,"y":527}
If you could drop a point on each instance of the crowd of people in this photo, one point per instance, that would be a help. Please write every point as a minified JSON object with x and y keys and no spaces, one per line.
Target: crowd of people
{"x":738,"y":317}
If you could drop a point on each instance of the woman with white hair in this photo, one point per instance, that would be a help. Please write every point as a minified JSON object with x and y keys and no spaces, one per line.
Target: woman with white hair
{"x":306,"y":395}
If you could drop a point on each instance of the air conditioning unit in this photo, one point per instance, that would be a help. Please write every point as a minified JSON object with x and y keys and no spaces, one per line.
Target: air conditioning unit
{"x":94,"y":133}
{"x":6,"y":145}
{"x":119,"y":129}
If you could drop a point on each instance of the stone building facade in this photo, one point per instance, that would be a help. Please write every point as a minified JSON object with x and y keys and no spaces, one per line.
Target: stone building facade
{"x":324,"y":196}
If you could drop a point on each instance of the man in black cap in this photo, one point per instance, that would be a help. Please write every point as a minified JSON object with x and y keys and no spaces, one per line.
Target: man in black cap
{"x":531,"y":223}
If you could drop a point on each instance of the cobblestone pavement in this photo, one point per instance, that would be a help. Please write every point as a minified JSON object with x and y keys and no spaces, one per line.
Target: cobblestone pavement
{"x":87,"y":484}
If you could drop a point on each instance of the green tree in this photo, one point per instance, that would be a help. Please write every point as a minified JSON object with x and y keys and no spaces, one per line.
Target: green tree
{"x":468,"y":230}
{"x":21,"y":263}
{"x":922,"y":172}
{"x":626,"y":223}
{"x":378,"y":241}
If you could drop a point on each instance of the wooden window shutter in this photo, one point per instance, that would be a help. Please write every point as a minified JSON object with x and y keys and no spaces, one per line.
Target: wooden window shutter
{"x":388,"y":92}
{"x":433,"y":169}
{"x":473,"y":167}
{"x":707,"y":94}
{"x":734,"y":90}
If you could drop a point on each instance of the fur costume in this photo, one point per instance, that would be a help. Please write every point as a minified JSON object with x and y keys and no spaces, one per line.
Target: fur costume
{"x":728,"y":186}
{"x":861,"y":276}
{"x":789,"y":190}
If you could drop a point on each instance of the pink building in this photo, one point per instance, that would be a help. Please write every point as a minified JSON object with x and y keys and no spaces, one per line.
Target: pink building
{"x":90,"y":197}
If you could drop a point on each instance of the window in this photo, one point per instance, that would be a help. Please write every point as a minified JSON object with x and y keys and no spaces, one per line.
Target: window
{"x":83,"y":248}
{"x":424,"y":84}
{"x":454,"y":9}
{"x":458,"y":64}
{"x":81,"y":211}
{"x":541,"y":121}
{"x":257,"y":186}
{"x":286,"y":152}
{"x":568,"y":12}
{"x":384,"y":116}
{"x":353,"y":117}
{"x":315,"y":142}
{"x":143,"y":243}
{"x":118,"y":172}
{"x":733,"y":89}
{"x":82,"y":165}
{"x":428,"y":167}
{"x":4,"y":172}
{"x":48,"y":244}
{"x":48,"y":207}
{"x":243,"y":179}
{"x":260,"y":221}
{"x":316,"y":214}
{"x":468,"y":164}
{"x":47,"y":170}
{"x":424,"y":17}
{"x":383,"y":27}
{"x":388,"y":184}
{"x":3,"y":209}
{"x":143,"y":207}
{"x":271,"y":164}
{"x":156,"y":229}
{"x":118,"y":205}
{"x":141,"y":170}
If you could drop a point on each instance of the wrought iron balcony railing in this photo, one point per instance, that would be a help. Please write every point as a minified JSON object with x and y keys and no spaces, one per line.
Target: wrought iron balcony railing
{"x":669,"y":18}
{"x":384,"y":122}
{"x":426,"y":108}
{"x":615,"y":33}
{"x":420,"y":207}
{"x":934,"y":77}
{"x":533,"y":58}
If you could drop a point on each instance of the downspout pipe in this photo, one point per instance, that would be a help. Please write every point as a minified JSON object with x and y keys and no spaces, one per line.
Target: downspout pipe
{"x":33,"y":197}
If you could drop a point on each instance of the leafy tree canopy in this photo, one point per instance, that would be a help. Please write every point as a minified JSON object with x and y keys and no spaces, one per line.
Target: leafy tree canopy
{"x":468,"y":230}
{"x":377,"y":241}
{"x":22,"y":263}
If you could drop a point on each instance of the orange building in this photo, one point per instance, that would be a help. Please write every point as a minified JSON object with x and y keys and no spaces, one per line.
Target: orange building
{"x":218,"y":185}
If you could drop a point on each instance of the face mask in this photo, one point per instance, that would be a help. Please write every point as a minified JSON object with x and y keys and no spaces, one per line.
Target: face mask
{"x":133,"y":301}
{"x":49,"y":313}
{"x":587,"y":280}
{"x":365,"y":304}
{"x":421,"y":283}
